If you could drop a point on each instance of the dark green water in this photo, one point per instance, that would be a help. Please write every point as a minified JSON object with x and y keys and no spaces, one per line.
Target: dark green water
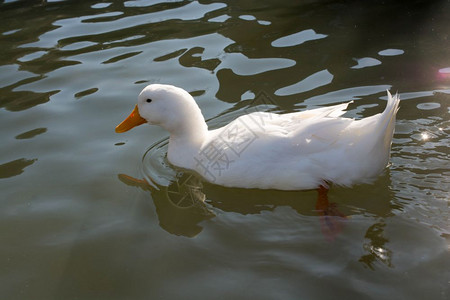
{"x":76,"y":222}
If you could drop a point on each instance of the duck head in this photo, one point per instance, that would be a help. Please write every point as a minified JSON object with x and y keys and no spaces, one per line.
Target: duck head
{"x":168,"y":106}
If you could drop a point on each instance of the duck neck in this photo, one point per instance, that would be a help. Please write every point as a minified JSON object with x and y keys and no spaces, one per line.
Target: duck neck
{"x":186,"y":142}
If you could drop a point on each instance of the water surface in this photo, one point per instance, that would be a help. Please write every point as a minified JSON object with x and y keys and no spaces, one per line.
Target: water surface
{"x":78,"y":220}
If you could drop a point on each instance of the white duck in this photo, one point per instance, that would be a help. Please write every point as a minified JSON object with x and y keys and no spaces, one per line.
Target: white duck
{"x":294,"y":151}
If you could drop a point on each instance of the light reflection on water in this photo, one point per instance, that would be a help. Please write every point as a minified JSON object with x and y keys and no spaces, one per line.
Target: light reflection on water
{"x":79,"y":218}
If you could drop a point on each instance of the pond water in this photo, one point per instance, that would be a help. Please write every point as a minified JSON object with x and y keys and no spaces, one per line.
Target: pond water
{"x":86,"y":213}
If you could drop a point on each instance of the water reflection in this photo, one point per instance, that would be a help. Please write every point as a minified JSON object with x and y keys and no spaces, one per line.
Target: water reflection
{"x":180,"y":206}
{"x":298,"y":38}
{"x":31,"y":134}
{"x":15,"y":167}
{"x":22,"y":100}
{"x":376,"y":247}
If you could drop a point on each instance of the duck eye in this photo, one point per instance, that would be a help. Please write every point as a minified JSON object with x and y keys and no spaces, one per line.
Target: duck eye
{"x":149,"y":100}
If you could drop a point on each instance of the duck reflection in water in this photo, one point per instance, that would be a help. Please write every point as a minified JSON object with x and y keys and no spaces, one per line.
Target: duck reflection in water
{"x":182,"y":204}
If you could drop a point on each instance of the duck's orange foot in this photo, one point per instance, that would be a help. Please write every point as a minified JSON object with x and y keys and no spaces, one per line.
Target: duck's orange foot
{"x":331,"y":219}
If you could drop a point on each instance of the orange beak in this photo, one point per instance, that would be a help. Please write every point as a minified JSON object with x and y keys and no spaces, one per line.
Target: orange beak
{"x":133,"y":120}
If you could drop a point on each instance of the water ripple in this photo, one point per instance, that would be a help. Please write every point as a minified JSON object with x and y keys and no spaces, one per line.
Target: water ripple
{"x":71,"y":70}
{"x":313,"y":81}
{"x":298,"y":38}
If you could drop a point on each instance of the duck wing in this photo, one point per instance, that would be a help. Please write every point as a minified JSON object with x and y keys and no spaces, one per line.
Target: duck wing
{"x":282,"y":125}
{"x":322,"y":125}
